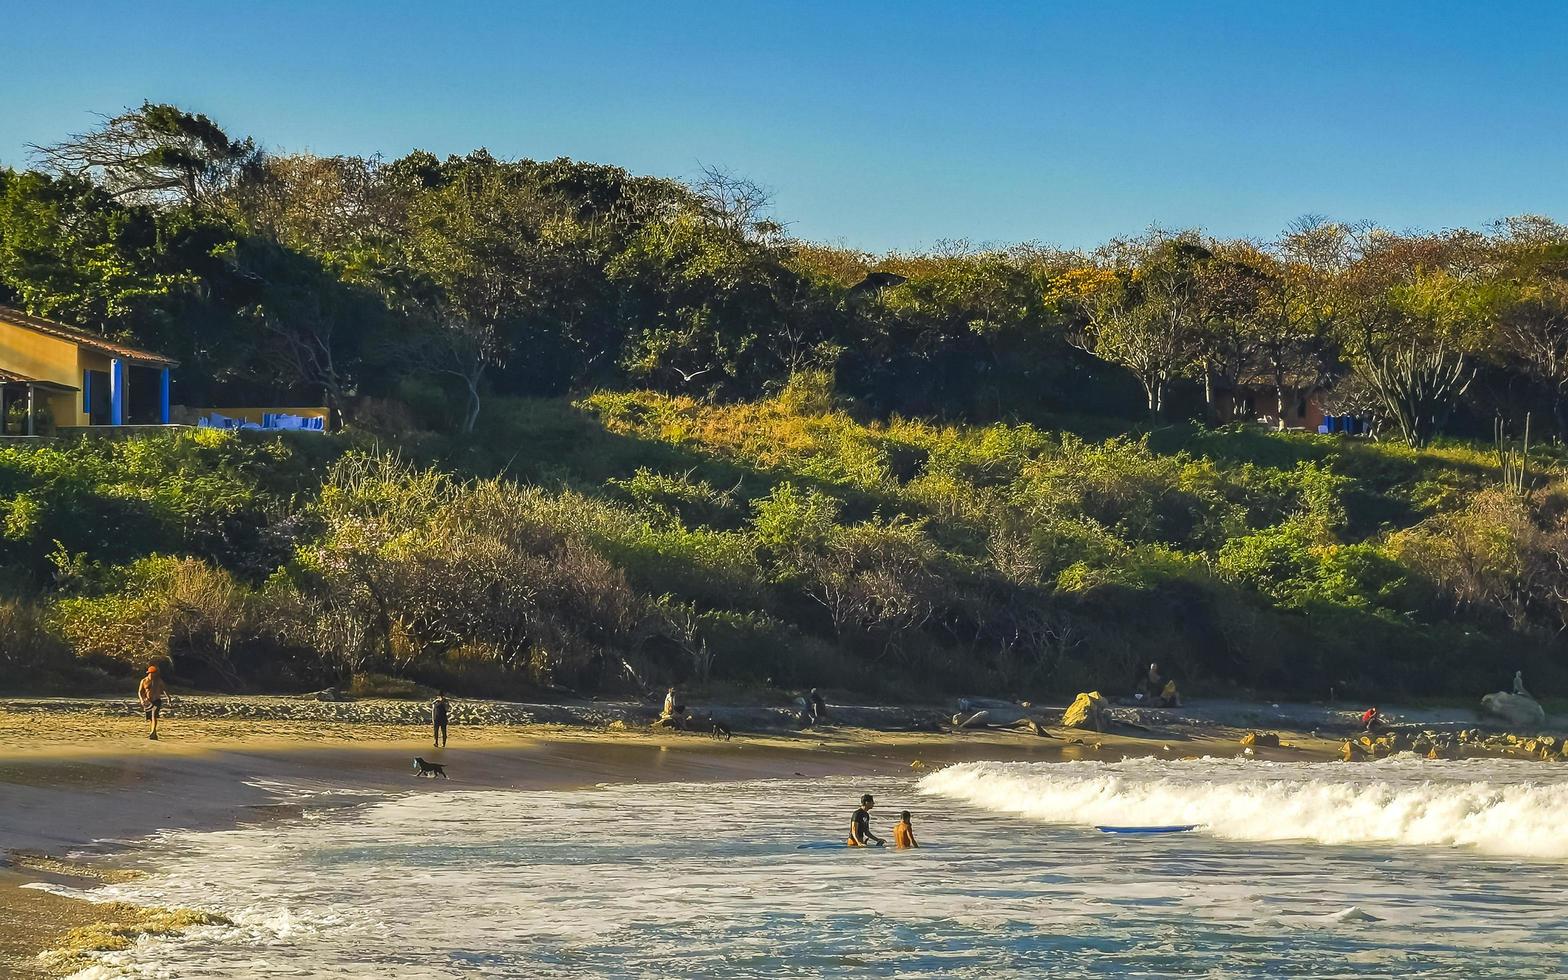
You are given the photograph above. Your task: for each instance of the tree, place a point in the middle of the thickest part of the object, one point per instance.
(1145, 312)
(1532, 316)
(1410, 310)
(477, 267)
(70, 252)
(702, 302)
(1231, 293)
(159, 155)
(1289, 332)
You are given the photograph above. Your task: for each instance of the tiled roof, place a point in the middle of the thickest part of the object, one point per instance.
(91, 341)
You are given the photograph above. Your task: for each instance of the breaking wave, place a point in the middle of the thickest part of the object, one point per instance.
(1496, 807)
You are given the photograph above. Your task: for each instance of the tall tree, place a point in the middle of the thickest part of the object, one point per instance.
(156, 155)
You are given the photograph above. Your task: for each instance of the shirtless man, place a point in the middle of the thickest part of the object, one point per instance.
(152, 694)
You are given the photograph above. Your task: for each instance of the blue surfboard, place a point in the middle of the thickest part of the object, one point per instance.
(1173, 829)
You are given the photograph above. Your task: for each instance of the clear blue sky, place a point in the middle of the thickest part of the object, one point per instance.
(876, 126)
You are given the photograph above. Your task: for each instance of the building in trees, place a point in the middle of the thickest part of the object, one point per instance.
(55, 375)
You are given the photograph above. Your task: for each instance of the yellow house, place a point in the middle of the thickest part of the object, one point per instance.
(80, 378)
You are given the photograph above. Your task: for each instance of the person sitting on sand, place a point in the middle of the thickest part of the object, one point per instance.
(1152, 684)
(438, 714)
(672, 715)
(1371, 720)
(860, 825)
(904, 832)
(152, 694)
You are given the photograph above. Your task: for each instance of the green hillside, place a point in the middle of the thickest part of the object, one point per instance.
(638, 538)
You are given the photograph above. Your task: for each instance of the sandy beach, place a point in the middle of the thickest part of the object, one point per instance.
(82, 785)
(82, 788)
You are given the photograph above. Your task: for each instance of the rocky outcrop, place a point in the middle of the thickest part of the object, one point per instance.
(1515, 709)
(1261, 740)
(1087, 711)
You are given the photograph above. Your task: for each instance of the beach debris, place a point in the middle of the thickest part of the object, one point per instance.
(1267, 740)
(1249, 752)
(1515, 709)
(977, 720)
(917, 764)
(1088, 710)
(1029, 726)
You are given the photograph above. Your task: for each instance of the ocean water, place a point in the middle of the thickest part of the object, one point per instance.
(1391, 869)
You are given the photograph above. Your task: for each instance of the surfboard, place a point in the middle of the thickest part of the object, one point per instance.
(1173, 829)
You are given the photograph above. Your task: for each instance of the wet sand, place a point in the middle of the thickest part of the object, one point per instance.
(83, 790)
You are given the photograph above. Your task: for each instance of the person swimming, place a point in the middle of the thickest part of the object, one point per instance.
(860, 825)
(904, 832)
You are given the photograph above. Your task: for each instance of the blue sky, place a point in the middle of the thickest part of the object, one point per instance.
(876, 125)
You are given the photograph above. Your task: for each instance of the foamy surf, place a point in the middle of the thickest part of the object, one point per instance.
(1502, 808)
(706, 881)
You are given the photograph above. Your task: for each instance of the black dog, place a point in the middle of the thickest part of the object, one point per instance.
(718, 729)
(431, 769)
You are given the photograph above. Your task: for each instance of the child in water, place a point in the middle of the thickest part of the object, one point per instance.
(904, 832)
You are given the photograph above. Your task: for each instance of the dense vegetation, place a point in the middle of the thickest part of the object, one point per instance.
(606, 431)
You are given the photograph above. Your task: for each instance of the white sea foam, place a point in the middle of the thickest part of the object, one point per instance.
(1504, 808)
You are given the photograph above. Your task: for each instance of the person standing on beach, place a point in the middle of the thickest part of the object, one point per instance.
(438, 712)
(151, 693)
(819, 707)
(860, 825)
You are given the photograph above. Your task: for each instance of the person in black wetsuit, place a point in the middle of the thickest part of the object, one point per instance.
(860, 834)
(438, 712)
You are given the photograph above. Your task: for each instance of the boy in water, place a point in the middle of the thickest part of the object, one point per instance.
(860, 825)
(151, 693)
(904, 832)
(438, 712)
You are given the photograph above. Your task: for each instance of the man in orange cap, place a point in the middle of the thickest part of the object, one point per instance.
(152, 694)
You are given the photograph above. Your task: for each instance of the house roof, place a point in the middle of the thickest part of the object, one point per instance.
(11, 377)
(91, 341)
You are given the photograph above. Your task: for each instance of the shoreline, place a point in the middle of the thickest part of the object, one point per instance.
(85, 790)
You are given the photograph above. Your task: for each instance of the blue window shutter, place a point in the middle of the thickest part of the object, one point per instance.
(87, 392)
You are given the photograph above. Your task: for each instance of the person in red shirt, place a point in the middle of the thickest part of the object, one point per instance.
(1371, 719)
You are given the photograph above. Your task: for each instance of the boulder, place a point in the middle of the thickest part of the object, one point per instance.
(1086, 711)
(1515, 709)
(1262, 740)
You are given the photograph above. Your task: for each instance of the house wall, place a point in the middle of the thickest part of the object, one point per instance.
(254, 413)
(1264, 406)
(47, 358)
